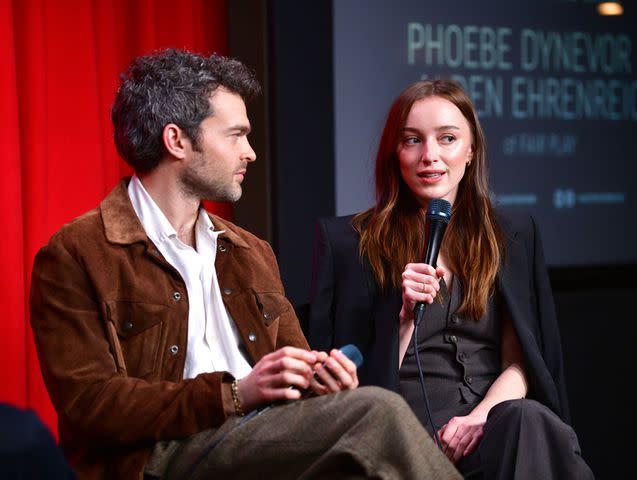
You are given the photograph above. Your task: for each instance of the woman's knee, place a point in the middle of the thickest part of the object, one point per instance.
(521, 408)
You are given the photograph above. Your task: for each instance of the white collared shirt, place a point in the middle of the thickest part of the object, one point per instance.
(213, 339)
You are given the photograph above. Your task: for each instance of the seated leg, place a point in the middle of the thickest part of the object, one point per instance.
(524, 439)
(363, 433)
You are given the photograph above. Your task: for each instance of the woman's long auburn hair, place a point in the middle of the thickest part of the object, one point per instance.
(392, 232)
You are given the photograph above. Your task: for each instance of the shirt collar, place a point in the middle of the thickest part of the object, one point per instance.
(155, 223)
(157, 226)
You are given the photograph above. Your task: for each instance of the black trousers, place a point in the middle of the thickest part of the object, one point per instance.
(524, 439)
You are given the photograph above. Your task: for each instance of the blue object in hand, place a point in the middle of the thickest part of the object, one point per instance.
(352, 352)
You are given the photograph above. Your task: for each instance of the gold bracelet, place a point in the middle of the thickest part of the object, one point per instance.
(238, 408)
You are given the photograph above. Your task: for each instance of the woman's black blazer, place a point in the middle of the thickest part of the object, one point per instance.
(346, 307)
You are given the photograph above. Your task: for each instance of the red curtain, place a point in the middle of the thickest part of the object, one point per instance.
(60, 65)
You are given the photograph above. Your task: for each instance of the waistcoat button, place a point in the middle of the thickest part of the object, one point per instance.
(174, 349)
(177, 296)
(227, 291)
(252, 337)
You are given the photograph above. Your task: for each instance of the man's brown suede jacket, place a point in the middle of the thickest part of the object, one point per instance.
(110, 321)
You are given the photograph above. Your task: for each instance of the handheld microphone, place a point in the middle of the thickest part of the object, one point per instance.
(352, 352)
(436, 221)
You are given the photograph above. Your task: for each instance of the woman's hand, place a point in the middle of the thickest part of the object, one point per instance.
(461, 435)
(420, 284)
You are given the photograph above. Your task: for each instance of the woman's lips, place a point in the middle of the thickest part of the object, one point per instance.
(431, 177)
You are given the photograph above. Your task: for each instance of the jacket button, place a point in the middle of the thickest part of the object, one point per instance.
(252, 337)
(453, 339)
(128, 326)
(468, 379)
(462, 357)
(174, 349)
(221, 248)
(177, 296)
(227, 291)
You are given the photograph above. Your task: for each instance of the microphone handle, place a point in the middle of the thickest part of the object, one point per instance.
(436, 230)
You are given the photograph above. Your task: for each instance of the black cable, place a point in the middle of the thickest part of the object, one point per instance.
(417, 318)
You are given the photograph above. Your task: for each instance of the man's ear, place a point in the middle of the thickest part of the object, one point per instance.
(175, 141)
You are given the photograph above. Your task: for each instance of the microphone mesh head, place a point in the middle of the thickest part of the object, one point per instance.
(439, 209)
(353, 353)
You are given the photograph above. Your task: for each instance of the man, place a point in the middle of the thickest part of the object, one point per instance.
(159, 326)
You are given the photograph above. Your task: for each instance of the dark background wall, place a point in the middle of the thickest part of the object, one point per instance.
(296, 185)
(595, 308)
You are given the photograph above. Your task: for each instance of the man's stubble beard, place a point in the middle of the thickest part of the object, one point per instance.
(194, 183)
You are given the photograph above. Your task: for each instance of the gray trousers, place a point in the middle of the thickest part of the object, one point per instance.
(364, 433)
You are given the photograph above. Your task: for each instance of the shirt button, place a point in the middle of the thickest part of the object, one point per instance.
(252, 337)
(128, 326)
(468, 379)
(177, 296)
(221, 248)
(227, 291)
(174, 349)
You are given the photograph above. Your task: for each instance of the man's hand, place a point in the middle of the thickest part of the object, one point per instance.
(335, 372)
(271, 378)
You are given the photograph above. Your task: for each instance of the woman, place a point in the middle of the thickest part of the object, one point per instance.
(489, 344)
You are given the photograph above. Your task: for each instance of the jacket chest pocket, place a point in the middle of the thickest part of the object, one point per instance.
(137, 335)
(271, 306)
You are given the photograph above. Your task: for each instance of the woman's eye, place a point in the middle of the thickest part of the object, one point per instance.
(411, 140)
(447, 138)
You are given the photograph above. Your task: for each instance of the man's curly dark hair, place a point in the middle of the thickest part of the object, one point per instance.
(170, 86)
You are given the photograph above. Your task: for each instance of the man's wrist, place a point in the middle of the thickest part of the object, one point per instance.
(236, 400)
